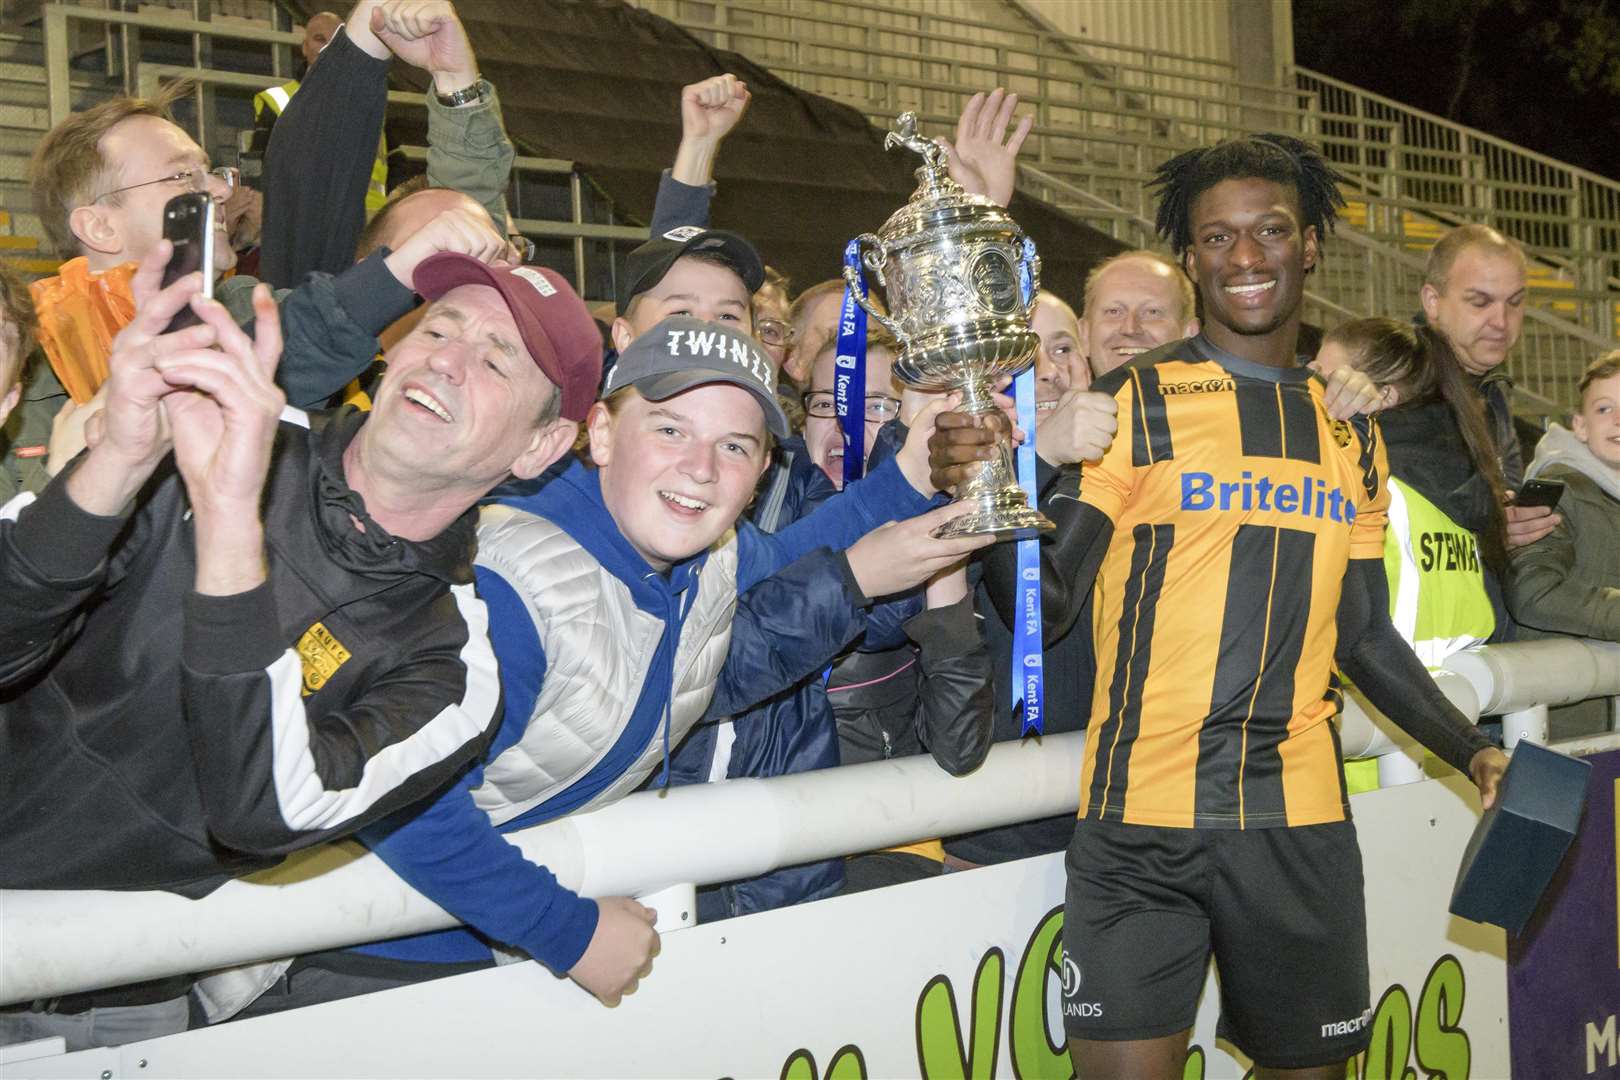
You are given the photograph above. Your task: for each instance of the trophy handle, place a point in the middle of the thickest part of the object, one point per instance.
(1029, 262)
(871, 255)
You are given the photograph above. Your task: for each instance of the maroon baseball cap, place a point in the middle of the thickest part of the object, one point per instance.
(558, 331)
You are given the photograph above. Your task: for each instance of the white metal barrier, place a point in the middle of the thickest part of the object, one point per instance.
(53, 943)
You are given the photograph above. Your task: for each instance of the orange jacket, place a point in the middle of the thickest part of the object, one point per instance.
(80, 313)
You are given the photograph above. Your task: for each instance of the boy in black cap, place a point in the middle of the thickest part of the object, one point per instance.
(709, 274)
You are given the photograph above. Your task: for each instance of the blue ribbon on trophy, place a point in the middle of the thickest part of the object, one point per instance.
(1028, 689)
(849, 372)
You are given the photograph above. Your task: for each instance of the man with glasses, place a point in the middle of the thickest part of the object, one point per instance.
(101, 179)
(771, 326)
(823, 438)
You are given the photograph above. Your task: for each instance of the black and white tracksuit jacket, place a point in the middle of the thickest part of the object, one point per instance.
(152, 737)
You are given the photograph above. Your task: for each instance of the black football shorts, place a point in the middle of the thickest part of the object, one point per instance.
(1280, 909)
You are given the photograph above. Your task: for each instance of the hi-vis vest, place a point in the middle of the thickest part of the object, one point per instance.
(1437, 596)
(275, 99)
(597, 646)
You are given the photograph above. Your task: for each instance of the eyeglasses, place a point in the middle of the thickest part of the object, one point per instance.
(880, 408)
(774, 332)
(526, 248)
(193, 179)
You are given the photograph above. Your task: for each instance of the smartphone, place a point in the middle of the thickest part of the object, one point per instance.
(188, 224)
(1539, 493)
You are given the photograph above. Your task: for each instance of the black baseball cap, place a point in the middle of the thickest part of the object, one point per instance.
(646, 265)
(682, 352)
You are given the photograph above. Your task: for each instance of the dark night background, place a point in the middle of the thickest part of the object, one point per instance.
(1544, 74)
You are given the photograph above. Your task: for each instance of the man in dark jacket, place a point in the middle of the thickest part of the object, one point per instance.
(1474, 292)
(322, 160)
(260, 632)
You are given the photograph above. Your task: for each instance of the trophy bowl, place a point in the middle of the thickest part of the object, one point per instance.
(953, 267)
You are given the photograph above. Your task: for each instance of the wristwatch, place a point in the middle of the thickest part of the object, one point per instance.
(465, 96)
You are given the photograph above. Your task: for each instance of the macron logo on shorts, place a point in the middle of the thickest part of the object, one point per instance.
(1346, 1027)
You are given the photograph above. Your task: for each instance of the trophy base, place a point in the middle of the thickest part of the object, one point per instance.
(1003, 519)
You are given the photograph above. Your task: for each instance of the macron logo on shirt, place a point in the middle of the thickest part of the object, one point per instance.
(1310, 498)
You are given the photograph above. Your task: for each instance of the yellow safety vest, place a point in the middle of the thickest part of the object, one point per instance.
(275, 99)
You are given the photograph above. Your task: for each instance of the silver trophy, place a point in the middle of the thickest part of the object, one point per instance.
(948, 262)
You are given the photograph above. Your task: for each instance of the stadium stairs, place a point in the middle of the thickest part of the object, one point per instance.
(23, 120)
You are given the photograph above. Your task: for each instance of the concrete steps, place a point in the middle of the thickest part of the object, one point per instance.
(24, 120)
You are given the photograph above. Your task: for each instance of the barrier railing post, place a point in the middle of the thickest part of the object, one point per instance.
(1400, 767)
(1531, 723)
(676, 907)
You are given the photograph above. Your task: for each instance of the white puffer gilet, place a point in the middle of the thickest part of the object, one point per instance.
(598, 646)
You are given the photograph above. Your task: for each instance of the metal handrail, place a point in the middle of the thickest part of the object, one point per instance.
(1565, 215)
(57, 68)
(1462, 130)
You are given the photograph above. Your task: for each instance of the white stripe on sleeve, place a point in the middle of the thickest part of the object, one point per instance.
(16, 505)
(307, 805)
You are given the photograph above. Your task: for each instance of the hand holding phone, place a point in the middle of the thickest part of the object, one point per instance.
(1539, 493)
(188, 224)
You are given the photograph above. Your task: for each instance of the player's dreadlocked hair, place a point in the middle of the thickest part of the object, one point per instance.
(1279, 158)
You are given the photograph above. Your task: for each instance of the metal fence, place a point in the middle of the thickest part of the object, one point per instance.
(1106, 116)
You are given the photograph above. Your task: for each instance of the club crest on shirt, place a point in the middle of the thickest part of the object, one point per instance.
(321, 654)
(1343, 434)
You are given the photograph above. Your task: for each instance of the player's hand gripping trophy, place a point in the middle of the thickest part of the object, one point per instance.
(959, 276)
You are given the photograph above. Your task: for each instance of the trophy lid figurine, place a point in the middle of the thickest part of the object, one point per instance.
(960, 278)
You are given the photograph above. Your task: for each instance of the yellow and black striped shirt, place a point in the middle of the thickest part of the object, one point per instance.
(1237, 504)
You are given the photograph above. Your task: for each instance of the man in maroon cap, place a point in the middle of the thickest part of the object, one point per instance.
(233, 630)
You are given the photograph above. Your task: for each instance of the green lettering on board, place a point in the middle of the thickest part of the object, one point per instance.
(1029, 1041)
(1442, 1046)
(941, 1054)
(1391, 1038)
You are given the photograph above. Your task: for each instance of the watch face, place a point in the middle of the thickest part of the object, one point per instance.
(462, 96)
